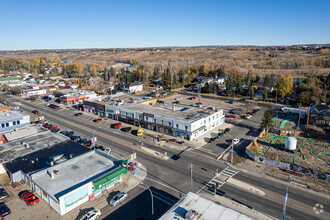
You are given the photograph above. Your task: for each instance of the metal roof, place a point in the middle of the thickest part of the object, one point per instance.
(204, 208)
(40, 159)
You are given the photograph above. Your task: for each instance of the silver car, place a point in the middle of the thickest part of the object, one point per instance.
(118, 198)
(91, 215)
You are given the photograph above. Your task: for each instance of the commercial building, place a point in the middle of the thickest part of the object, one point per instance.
(194, 206)
(74, 96)
(184, 121)
(4, 108)
(13, 119)
(9, 79)
(67, 174)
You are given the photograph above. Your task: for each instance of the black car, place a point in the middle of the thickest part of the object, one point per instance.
(220, 134)
(128, 129)
(55, 130)
(211, 140)
(227, 130)
(82, 141)
(3, 194)
(100, 147)
(75, 139)
(78, 114)
(4, 210)
(88, 143)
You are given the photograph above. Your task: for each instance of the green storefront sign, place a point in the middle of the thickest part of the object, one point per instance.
(109, 178)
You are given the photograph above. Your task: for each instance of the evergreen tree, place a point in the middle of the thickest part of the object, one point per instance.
(264, 94)
(266, 121)
(251, 91)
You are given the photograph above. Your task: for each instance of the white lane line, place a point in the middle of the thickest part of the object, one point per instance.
(202, 155)
(271, 210)
(287, 216)
(257, 204)
(160, 183)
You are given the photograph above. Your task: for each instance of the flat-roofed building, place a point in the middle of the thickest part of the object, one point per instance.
(68, 174)
(13, 119)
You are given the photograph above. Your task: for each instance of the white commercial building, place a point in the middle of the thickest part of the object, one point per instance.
(12, 120)
(184, 121)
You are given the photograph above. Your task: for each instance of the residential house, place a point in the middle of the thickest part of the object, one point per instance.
(320, 115)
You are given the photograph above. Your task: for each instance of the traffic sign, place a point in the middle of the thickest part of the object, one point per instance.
(133, 156)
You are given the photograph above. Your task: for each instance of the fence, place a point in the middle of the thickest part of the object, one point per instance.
(283, 165)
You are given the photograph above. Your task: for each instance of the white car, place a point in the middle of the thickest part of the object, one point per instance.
(235, 141)
(118, 198)
(247, 116)
(91, 215)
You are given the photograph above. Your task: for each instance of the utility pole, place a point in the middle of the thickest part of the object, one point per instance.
(286, 198)
(191, 178)
(298, 120)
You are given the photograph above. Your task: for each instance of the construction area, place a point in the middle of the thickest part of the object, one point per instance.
(306, 152)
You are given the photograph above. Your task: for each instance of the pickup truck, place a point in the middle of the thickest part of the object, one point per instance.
(29, 198)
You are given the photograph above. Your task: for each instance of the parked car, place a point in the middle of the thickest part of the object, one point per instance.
(253, 113)
(91, 215)
(88, 143)
(247, 116)
(117, 125)
(35, 112)
(56, 130)
(75, 138)
(235, 141)
(69, 133)
(108, 150)
(211, 140)
(176, 102)
(3, 194)
(220, 134)
(78, 114)
(98, 120)
(82, 141)
(48, 126)
(231, 101)
(29, 198)
(233, 111)
(231, 116)
(44, 125)
(100, 147)
(63, 132)
(140, 132)
(4, 210)
(56, 107)
(227, 130)
(52, 127)
(128, 129)
(118, 198)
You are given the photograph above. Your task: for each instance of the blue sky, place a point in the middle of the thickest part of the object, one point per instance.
(114, 24)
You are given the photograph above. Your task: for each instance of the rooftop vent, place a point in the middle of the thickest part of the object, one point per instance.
(190, 215)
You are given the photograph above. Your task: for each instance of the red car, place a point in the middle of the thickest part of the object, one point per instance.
(35, 112)
(232, 116)
(117, 125)
(52, 127)
(98, 120)
(45, 124)
(131, 166)
(253, 113)
(29, 198)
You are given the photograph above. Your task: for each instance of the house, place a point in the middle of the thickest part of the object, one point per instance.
(320, 115)
(133, 87)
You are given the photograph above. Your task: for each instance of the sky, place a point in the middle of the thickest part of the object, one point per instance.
(66, 24)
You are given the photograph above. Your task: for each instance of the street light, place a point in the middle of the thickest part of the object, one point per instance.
(152, 200)
(133, 155)
(94, 136)
(41, 116)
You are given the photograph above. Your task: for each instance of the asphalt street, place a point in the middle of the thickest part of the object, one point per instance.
(171, 177)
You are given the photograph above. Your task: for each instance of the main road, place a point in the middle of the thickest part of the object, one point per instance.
(170, 179)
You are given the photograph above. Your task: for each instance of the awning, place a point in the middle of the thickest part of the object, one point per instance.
(109, 178)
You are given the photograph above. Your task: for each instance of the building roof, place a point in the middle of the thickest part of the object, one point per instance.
(320, 108)
(136, 83)
(75, 172)
(5, 116)
(28, 140)
(41, 159)
(204, 208)
(9, 78)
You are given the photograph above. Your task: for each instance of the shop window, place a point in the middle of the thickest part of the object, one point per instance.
(7, 124)
(18, 122)
(169, 124)
(2, 125)
(186, 127)
(14, 122)
(177, 125)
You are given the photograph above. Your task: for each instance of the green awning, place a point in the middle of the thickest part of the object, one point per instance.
(109, 178)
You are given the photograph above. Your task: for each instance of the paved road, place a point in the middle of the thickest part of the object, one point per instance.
(172, 177)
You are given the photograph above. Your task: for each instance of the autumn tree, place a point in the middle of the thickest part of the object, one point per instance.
(284, 85)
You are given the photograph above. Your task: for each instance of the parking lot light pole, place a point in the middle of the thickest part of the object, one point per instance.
(232, 148)
(94, 137)
(152, 200)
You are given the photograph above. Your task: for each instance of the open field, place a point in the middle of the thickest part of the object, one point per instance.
(239, 59)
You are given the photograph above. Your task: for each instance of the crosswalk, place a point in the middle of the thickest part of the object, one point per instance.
(220, 178)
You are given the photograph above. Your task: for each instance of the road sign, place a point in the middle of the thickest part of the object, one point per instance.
(94, 140)
(133, 156)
